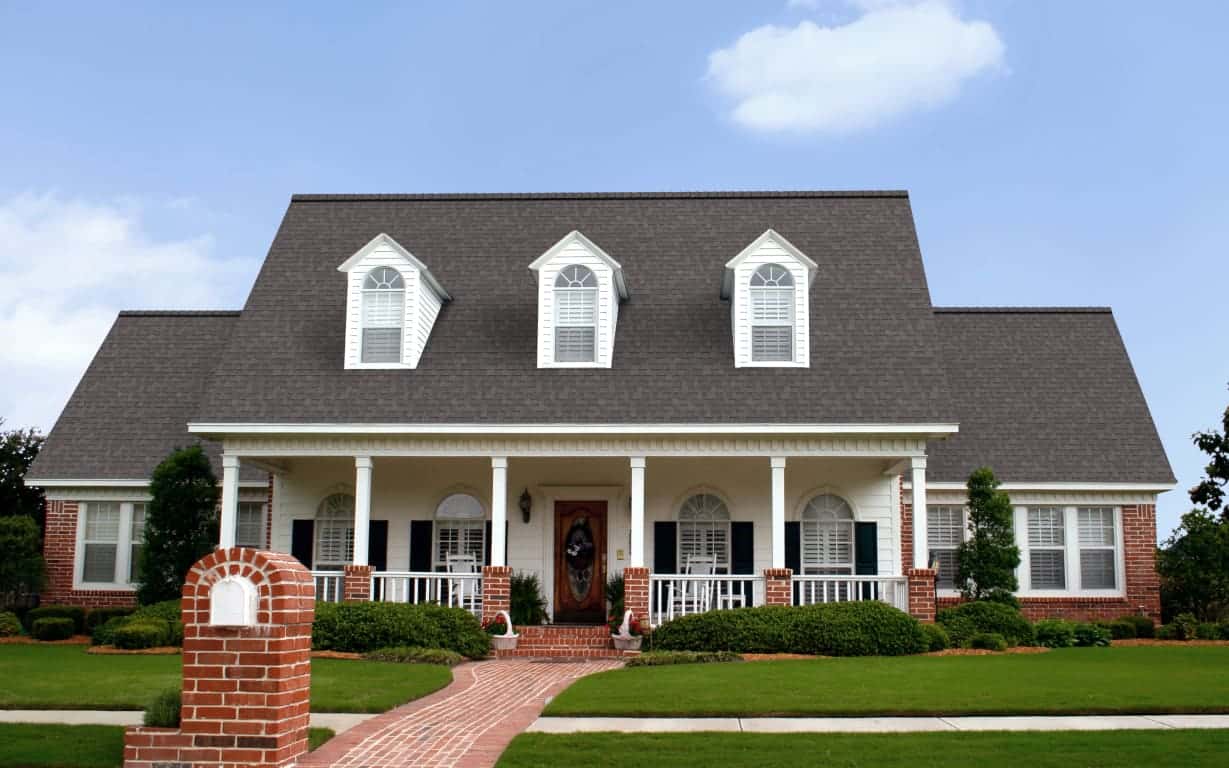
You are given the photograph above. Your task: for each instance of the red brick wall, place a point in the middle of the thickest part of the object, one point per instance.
(496, 590)
(636, 593)
(778, 586)
(60, 551)
(356, 583)
(921, 593)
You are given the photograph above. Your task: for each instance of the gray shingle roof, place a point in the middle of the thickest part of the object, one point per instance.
(1044, 395)
(872, 332)
(131, 407)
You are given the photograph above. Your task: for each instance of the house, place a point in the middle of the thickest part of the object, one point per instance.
(730, 398)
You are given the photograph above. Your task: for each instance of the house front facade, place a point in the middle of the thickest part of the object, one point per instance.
(729, 399)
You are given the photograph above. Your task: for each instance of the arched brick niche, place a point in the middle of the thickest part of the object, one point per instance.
(246, 678)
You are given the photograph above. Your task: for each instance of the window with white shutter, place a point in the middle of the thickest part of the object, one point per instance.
(1098, 548)
(460, 529)
(101, 542)
(827, 536)
(772, 314)
(704, 531)
(335, 532)
(383, 315)
(575, 315)
(945, 529)
(136, 538)
(1047, 553)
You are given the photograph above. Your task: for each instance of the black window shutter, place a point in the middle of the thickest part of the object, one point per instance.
(866, 556)
(303, 541)
(793, 546)
(742, 549)
(377, 544)
(420, 545)
(665, 547)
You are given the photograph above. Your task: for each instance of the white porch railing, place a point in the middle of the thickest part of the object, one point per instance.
(329, 585)
(893, 590)
(673, 595)
(457, 590)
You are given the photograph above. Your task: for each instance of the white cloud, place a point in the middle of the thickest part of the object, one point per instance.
(66, 268)
(894, 59)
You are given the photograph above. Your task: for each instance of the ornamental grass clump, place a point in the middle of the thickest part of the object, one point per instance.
(164, 709)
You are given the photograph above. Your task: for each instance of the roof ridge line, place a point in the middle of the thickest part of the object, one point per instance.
(681, 195)
(179, 312)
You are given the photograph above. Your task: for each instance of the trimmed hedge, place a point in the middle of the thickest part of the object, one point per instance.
(1207, 631)
(968, 619)
(1091, 636)
(167, 610)
(10, 625)
(72, 612)
(1118, 629)
(104, 634)
(143, 633)
(365, 627)
(988, 641)
(52, 628)
(936, 637)
(869, 628)
(1055, 633)
(1143, 625)
(415, 655)
(670, 658)
(99, 616)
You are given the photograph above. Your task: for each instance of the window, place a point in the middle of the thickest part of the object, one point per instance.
(111, 534)
(460, 529)
(576, 315)
(704, 531)
(383, 315)
(772, 314)
(101, 545)
(1047, 548)
(827, 536)
(250, 525)
(1098, 548)
(335, 532)
(137, 542)
(944, 533)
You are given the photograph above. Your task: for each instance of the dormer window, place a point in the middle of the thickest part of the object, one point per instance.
(768, 287)
(575, 315)
(772, 314)
(383, 315)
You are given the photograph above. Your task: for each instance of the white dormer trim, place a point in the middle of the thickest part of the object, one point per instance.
(423, 298)
(576, 249)
(769, 248)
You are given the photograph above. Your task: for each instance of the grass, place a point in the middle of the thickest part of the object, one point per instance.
(78, 746)
(1069, 681)
(66, 677)
(1105, 749)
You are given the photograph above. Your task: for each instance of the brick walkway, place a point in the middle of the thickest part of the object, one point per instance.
(467, 724)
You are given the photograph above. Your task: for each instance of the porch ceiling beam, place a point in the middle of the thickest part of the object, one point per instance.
(897, 468)
(272, 466)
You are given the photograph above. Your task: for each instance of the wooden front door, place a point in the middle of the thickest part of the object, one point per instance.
(580, 562)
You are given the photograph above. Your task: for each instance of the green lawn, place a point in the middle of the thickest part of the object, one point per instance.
(66, 677)
(1069, 749)
(77, 746)
(1071, 681)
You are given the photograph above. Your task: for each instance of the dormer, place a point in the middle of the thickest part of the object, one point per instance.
(768, 287)
(579, 290)
(392, 300)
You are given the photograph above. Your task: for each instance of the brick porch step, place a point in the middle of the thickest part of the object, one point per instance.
(565, 641)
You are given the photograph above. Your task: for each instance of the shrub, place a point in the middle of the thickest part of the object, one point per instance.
(167, 610)
(414, 655)
(868, 628)
(363, 627)
(71, 612)
(1185, 626)
(163, 710)
(614, 594)
(10, 625)
(1167, 632)
(968, 619)
(142, 633)
(181, 523)
(936, 637)
(1224, 629)
(1143, 625)
(100, 616)
(1091, 636)
(1054, 633)
(527, 606)
(669, 658)
(52, 628)
(1207, 631)
(989, 641)
(1119, 629)
(104, 634)
(22, 568)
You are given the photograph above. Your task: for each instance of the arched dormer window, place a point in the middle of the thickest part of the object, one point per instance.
(827, 535)
(704, 535)
(460, 533)
(575, 315)
(772, 314)
(383, 315)
(334, 532)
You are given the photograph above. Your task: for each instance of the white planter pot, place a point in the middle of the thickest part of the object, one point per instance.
(504, 643)
(626, 643)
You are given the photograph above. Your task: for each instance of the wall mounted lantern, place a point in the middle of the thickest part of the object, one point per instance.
(526, 505)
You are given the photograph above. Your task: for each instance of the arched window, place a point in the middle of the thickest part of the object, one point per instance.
(335, 532)
(460, 530)
(576, 315)
(827, 535)
(704, 532)
(772, 314)
(383, 315)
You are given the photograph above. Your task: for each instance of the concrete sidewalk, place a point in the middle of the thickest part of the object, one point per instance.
(873, 724)
(337, 721)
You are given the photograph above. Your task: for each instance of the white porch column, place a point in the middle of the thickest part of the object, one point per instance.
(921, 549)
(362, 508)
(637, 553)
(499, 510)
(230, 500)
(778, 511)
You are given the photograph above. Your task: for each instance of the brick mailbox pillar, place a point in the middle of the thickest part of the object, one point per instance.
(496, 590)
(922, 593)
(778, 586)
(636, 593)
(356, 583)
(247, 618)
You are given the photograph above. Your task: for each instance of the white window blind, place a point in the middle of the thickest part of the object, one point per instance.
(101, 542)
(1047, 548)
(704, 531)
(772, 314)
(136, 542)
(383, 315)
(250, 525)
(1098, 548)
(575, 315)
(944, 533)
(827, 535)
(460, 529)
(335, 532)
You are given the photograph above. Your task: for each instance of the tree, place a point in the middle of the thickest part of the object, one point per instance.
(18, 448)
(1194, 567)
(987, 561)
(22, 570)
(1211, 490)
(181, 523)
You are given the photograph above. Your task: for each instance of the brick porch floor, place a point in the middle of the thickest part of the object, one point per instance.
(467, 724)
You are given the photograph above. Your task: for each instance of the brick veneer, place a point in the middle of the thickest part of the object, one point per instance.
(356, 583)
(921, 593)
(496, 590)
(60, 553)
(245, 689)
(636, 593)
(558, 641)
(778, 586)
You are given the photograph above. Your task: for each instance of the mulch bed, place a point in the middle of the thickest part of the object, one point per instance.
(983, 652)
(27, 640)
(1152, 641)
(778, 656)
(111, 650)
(336, 655)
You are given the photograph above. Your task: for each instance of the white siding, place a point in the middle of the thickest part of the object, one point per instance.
(607, 305)
(769, 252)
(421, 307)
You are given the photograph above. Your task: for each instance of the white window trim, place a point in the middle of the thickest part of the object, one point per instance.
(123, 552)
(611, 287)
(1071, 554)
(264, 522)
(852, 523)
(964, 536)
(366, 293)
(736, 287)
(438, 523)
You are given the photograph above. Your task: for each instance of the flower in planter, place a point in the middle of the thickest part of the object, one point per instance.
(633, 627)
(495, 626)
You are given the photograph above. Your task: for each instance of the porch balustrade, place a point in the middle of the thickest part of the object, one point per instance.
(675, 595)
(329, 586)
(813, 589)
(456, 590)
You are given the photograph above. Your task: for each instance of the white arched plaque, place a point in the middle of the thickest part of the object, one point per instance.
(232, 602)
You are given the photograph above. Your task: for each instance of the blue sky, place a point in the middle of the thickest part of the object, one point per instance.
(1056, 153)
